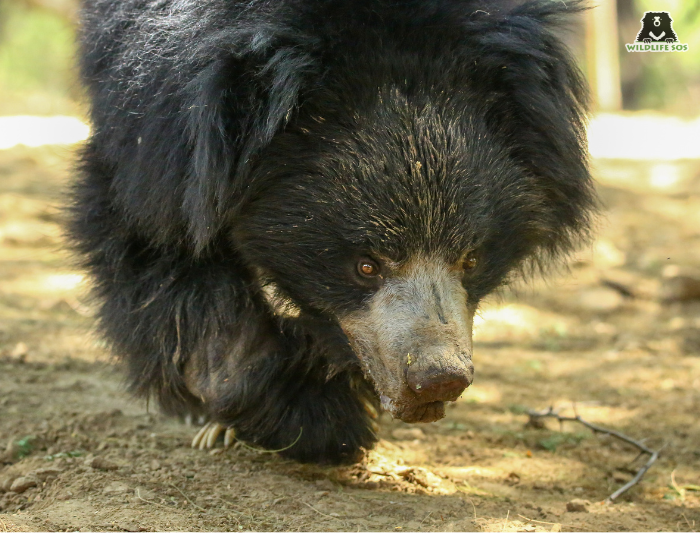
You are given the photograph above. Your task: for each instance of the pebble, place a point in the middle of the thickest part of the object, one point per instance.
(6, 482)
(100, 463)
(577, 506)
(324, 485)
(680, 288)
(21, 484)
(20, 350)
(130, 526)
(116, 487)
(44, 473)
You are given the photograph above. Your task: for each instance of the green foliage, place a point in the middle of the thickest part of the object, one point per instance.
(75, 453)
(24, 446)
(37, 51)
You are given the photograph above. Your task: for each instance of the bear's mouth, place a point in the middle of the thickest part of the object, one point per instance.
(423, 412)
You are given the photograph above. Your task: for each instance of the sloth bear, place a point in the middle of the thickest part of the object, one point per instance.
(657, 26)
(290, 209)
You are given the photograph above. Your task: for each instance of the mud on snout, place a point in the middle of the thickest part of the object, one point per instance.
(414, 340)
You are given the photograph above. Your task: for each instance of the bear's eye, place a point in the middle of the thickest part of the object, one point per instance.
(367, 268)
(470, 262)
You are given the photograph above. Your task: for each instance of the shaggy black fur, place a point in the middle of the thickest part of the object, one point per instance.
(657, 26)
(242, 142)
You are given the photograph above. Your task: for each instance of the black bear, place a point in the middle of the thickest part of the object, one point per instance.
(291, 209)
(657, 26)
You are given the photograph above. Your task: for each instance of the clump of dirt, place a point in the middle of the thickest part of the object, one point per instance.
(76, 453)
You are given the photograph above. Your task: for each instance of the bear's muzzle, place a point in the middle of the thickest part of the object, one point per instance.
(414, 340)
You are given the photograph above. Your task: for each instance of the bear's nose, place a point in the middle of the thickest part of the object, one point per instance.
(434, 382)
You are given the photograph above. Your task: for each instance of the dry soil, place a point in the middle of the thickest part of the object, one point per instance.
(610, 336)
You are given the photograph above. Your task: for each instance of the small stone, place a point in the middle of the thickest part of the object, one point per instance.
(512, 479)
(621, 477)
(324, 484)
(6, 482)
(19, 351)
(21, 484)
(100, 463)
(577, 506)
(680, 288)
(116, 488)
(408, 434)
(44, 473)
(130, 526)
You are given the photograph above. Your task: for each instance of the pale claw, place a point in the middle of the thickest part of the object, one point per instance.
(200, 435)
(229, 437)
(215, 430)
(207, 436)
(371, 410)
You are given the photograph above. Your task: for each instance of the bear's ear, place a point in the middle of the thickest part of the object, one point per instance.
(538, 99)
(236, 105)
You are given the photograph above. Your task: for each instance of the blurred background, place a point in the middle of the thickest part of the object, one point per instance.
(618, 333)
(37, 50)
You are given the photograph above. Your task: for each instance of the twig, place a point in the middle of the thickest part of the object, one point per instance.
(2, 523)
(690, 526)
(138, 495)
(638, 476)
(674, 485)
(426, 517)
(322, 514)
(643, 448)
(550, 523)
(473, 507)
(187, 498)
(260, 451)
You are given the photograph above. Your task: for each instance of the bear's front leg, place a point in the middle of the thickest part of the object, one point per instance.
(285, 388)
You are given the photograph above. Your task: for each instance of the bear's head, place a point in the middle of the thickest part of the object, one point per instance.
(395, 218)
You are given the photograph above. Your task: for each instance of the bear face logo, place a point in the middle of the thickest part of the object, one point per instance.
(657, 27)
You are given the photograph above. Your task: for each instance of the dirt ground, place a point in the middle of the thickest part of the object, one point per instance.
(612, 336)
